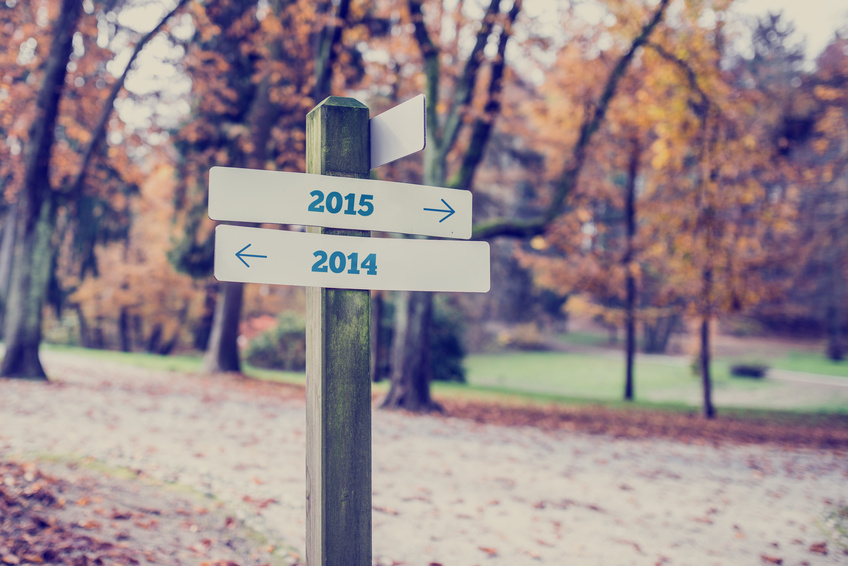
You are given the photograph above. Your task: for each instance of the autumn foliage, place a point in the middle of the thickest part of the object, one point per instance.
(656, 164)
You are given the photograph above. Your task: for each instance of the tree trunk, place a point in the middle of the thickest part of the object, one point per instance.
(835, 346)
(222, 351)
(706, 378)
(630, 281)
(376, 336)
(84, 334)
(833, 316)
(202, 330)
(27, 296)
(630, 338)
(410, 388)
(33, 246)
(656, 334)
(155, 339)
(7, 249)
(124, 330)
(97, 341)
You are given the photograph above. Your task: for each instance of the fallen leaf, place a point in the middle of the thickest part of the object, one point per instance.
(819, 548)
(771, 559)
(121, 515)
(89, 524)
(490, 551)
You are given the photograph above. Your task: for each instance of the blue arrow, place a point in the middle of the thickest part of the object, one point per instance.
(241, 255)
(449, 211)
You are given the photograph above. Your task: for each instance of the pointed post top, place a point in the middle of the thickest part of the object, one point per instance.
(341, 123)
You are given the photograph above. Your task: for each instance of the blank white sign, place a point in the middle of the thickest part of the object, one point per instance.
(398, 132)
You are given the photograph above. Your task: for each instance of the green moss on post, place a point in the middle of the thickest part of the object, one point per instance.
(338, 366)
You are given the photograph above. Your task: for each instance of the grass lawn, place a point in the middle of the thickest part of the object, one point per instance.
(547, 377)
(810, 362)
(595, 376)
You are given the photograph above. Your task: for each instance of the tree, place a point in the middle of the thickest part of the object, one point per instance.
(712, 220)
(717, 167)
(137, 297)
(252, 84)
(46, 166)
(409, 387)
(825, 205)
(32, 253)
(410, 379)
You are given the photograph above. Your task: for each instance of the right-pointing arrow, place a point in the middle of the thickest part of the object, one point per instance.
(449, 210)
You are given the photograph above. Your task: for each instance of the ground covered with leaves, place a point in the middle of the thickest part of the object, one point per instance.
(90, 518)
(825, 431)
(114, 465)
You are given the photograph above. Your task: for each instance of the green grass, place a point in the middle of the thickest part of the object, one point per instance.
(184, 363)
(598, 377)
(529, 377)
(584, 339)
(810, 362)
(180, 363)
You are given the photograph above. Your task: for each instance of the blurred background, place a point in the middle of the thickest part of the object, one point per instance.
(664, 185)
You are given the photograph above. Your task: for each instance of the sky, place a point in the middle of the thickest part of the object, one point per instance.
(815, 20)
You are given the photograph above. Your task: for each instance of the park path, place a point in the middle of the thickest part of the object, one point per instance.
(446, 491)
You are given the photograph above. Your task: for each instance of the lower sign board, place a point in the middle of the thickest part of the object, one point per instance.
(282, 257)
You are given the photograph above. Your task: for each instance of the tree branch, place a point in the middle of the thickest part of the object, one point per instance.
(482, 128)
(331, 35)
(41, 135)
(591, 123)
(465, 87)
(430, 53)
(701, 107)
(98, 133)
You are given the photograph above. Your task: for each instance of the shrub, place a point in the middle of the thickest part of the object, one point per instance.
(747, 369)
(282, 347)
(446, 348)
(525, 337)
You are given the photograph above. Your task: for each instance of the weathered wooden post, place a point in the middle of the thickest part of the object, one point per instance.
(338, 383)
(342, 142)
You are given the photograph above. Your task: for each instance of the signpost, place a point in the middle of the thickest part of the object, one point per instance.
(337, 261)
(338, 366)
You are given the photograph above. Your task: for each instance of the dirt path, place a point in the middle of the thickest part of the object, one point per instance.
(446, 491)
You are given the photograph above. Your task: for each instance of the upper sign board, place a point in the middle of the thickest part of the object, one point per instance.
(284, 257)
(254, 195)
(398, 132)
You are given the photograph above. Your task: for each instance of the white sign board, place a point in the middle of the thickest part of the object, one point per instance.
(398, 132)
(280, 197)
(282, 257)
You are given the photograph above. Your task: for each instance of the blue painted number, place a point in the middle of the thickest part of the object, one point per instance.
(337, 262)
(334, 203)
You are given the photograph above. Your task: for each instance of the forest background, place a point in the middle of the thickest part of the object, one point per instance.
(658, 167)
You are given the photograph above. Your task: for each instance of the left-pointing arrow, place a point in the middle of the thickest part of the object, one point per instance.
(241, 255)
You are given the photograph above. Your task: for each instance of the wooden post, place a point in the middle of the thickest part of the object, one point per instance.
(338, 366)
